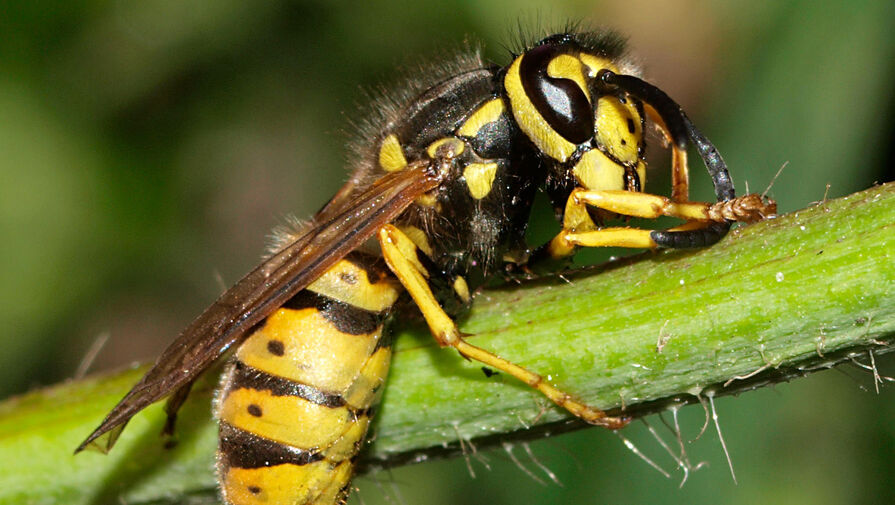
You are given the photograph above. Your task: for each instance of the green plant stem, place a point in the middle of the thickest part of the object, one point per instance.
(771, 301)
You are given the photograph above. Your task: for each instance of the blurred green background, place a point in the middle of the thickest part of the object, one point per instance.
(147, 148)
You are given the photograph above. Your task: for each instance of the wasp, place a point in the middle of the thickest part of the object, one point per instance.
(438, 202)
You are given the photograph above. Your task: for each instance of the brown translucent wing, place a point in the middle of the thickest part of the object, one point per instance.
(227, 321)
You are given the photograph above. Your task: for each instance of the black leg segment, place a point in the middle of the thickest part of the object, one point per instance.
(679, 127)
(690, 239)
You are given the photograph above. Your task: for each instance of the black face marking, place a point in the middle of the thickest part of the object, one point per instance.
(246, 377)
(631, 128)
(276, 347)
(345, 317)
(241, 449)
(561, 102)
(254, 489)
(254, 410)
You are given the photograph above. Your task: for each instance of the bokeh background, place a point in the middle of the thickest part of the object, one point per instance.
(147, 148)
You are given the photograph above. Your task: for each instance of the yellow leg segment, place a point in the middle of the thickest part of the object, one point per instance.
(680, 172)
(579, 230)
(395, 251)
(400, 256)
(566, 243)
(611, 237)
(629, 203)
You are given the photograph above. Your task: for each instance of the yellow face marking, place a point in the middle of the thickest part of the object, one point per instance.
(531, 122)
(452, 145)
(367, 386)
(391, 156)
(566, 66)
(306, 336)
(596, 63)
(619, 129)
(335, 283)
(489, 112)
(479, 178)
(419, 238)
(274, 417)
(461, 288)
(318, 482)
(596, 171)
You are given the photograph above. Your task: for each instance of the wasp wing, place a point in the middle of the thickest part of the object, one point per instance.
(227, 321)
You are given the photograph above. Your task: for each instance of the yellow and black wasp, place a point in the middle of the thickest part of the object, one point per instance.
(443, 183)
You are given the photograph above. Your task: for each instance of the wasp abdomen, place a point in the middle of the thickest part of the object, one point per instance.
(297, 399)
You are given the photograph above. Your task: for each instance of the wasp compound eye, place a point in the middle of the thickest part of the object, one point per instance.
(553, 82)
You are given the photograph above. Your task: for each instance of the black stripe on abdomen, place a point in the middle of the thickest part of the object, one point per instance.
(344, 317)
(241, 449)
(246, 377)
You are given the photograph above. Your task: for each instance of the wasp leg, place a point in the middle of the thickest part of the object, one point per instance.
(679, 128)
(680, 171)
(401, 256)
(706, 223)
(172, 406)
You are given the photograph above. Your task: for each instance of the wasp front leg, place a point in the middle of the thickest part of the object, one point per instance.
(680, 171)
(705, 223)
(400, 254)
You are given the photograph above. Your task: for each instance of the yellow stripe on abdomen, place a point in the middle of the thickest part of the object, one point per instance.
(274, 417)
(296, 402)
(314, 483)
(314, 351)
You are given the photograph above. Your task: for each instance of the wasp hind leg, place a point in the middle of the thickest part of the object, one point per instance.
(401, 256)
